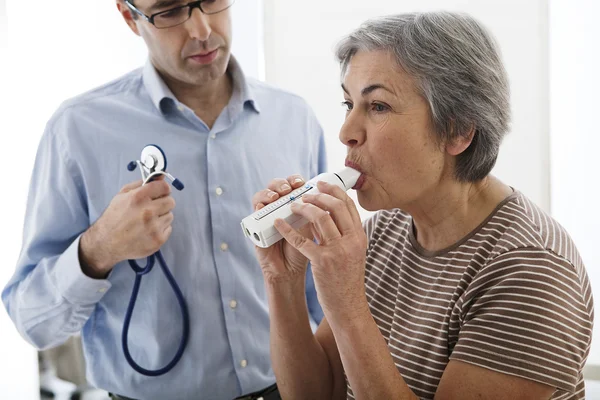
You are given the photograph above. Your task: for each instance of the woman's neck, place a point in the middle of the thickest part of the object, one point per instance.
(454, 210)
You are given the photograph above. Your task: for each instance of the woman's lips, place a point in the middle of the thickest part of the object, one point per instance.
(359, 183)
(361, 178)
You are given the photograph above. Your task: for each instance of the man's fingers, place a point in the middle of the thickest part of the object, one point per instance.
(155, 189)
(163, 205)
(130, 186)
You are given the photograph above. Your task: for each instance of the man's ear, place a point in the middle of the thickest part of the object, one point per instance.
(127, 15)
(460, 143)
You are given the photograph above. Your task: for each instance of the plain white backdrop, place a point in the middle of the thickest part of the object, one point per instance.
(575, 134)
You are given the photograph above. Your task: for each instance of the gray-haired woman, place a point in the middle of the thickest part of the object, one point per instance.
(462, 288)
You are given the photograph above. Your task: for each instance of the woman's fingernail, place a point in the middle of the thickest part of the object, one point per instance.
(272, 194)
(298, 180)
(285, 186)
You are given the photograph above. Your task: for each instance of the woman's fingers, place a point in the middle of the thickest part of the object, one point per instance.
(336, 208)
(342, 195)
(263, 197)
(281, 186)
(295, 181)
(320, 219)
(304, 245)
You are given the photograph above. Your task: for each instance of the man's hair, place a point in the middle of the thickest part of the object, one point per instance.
(458, 70)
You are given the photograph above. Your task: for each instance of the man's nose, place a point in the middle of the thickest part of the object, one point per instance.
(199, 25)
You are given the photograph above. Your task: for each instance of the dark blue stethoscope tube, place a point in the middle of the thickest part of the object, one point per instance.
(139, 272)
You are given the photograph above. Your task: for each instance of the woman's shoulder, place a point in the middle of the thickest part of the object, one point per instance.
(520, 223)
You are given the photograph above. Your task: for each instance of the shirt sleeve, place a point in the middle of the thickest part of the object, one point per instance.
(525, 314)
(49, 298)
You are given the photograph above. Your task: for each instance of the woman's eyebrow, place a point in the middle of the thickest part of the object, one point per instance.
(370, 88)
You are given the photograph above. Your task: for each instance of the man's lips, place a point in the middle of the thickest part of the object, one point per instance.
(205, 57)
(203, 54)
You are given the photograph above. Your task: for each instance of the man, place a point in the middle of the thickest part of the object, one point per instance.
(225, 136)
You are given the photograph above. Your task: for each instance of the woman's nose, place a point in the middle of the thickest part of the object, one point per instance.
(352, 132)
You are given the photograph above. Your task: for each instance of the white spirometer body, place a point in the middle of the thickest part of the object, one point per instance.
(259, 227)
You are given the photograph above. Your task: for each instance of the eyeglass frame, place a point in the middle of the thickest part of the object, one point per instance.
(191, 5)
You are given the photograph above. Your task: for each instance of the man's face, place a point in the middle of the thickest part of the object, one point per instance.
(194, 52)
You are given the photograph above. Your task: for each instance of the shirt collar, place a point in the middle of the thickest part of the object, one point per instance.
(159, 91)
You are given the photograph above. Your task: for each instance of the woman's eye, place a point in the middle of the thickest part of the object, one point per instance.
(347, 104)
(379, 107)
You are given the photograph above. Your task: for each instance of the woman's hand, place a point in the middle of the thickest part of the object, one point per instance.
(338, 259)
(281, 262)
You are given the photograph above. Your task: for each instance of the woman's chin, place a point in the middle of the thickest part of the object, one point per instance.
(367, 202)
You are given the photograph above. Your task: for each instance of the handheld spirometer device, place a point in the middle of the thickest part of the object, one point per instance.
(259, 227)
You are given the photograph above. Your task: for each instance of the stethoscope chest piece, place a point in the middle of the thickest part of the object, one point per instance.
(153, 158)
(153, 163)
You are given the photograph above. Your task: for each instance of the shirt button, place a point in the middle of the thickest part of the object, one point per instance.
(233, 304)
(180, 108)
(213, 136)
(219, 191)
(224, 246)
(243, 363)
(102, 290)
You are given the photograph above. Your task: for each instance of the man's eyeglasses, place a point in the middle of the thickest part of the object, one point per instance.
(178, 15)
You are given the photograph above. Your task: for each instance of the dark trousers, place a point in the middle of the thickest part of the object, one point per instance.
(270, 393)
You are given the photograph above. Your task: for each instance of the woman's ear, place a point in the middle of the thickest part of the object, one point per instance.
(460, 143)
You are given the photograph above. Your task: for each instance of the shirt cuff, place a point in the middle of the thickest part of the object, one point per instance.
(75, 286)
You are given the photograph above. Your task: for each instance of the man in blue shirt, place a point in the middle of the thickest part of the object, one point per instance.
(225, 136)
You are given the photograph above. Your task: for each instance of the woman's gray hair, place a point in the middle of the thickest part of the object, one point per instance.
(457, 68)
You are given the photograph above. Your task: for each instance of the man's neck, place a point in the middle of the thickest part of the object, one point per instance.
(455, 210)
(207, 100)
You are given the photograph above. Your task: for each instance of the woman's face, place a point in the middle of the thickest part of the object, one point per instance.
(389, 134)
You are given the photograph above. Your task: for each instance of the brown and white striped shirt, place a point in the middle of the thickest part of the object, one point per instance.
(513, 296)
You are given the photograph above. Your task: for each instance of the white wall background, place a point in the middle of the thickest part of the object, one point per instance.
(300, 37)
(575, 136)
(47, 60)
(18, 362)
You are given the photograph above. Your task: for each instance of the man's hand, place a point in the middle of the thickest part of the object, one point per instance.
(136, 224)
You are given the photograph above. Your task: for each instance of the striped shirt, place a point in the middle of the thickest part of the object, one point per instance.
(513, 296)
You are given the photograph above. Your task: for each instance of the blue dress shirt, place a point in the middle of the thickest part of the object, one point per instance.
(80, 166)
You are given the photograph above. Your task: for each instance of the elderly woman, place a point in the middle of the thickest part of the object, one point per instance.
(460, 287)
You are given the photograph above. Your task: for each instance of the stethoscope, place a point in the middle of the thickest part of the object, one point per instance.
(153, 163)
